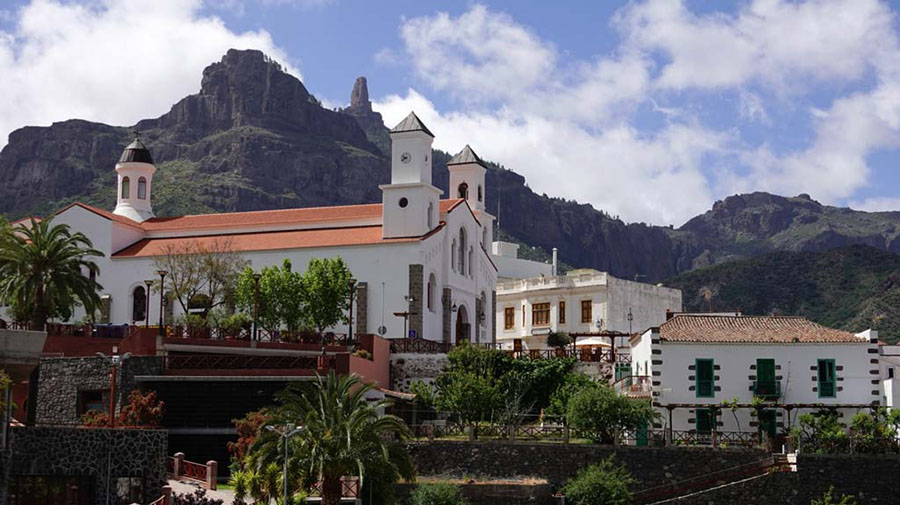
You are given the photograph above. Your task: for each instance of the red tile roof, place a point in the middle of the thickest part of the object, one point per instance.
(750, 329)
(271, 240)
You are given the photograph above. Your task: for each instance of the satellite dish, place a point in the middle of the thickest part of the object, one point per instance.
(382, 330)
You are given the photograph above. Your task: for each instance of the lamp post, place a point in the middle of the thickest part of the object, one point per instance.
(115, 360)
(352, 284)
(148, 283)
(256, 277)
(162, 286)
(286, 432)
(409, 300)
(630, 318)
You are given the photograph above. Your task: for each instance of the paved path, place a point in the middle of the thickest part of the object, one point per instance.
(183, 487)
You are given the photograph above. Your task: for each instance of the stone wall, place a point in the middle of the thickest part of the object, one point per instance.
(362, 307)
(62, 379)
(556, 463)
(416, 291)
(487, 493)
(95, 452)
(407, 368)
(868, 478)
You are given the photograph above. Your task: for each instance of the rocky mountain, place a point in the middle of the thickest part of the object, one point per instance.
(254, 138)
(853, 287)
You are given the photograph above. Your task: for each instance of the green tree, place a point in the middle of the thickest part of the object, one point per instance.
(829, 499)
(601, 484)
(558, 339)
(604, 414)
(820, 432)
(342, 435)
(572, 384)
(200, 274)
(437, 493)
(281, 296)
(326, 286)
(48, 268)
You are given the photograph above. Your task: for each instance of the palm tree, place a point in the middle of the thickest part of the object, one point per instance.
(47, 268)
(343, 435)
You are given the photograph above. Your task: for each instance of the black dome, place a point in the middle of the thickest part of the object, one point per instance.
(136, 152)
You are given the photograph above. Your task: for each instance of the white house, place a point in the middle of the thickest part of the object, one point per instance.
(511, 266)
(582, 301)
(794, 365)
(890, 375)
(414, 252)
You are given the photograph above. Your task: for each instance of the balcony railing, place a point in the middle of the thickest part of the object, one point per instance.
(769, 390)
(239, 362)
(635, 386)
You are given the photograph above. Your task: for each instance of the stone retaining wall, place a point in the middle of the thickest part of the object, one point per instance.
(495, 494)
(407, 368)
(557, 463)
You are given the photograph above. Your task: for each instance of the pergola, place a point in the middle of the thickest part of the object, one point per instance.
(611, 335)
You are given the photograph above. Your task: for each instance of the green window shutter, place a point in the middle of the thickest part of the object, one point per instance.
(706, 379)
(827, 379)
(766, 386)
(704, 420)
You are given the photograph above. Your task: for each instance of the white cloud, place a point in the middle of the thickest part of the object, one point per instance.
(877, 204)
(571, 128)
(112, 61)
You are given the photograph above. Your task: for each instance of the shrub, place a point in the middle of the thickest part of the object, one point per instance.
(95, 418)
(829, 499)
(604, 414)
(438, 493)
(362, 353)
(142, 410)
(198, 498)
(558, 339)
(602, 484)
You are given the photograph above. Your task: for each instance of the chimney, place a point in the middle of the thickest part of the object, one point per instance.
(554, 262)
(669, 314)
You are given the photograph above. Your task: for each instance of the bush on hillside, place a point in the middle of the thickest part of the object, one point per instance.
(438, 493)
(604, 483)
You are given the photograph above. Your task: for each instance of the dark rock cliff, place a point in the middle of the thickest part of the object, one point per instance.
(254, 138)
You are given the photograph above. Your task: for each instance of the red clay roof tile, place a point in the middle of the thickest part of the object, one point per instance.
(750, 329)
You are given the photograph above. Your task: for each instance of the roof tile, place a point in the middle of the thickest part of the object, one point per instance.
(750, 329)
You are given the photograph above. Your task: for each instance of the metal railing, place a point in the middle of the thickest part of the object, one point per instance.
(705, 481)
(419, 345)
(767, 389)
(634, 385)
(848, 444)
(262, 334)
(238, 362)
(595, 355)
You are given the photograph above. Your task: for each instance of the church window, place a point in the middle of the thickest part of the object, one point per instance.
(126, 187)
(403, 202)
(430, 215)
(461, 268)
(484, 238)
(479, 192)
(430, 292)
(471, 262)
(463, 191)
(139, 304)
(142, 188)
(453, 256)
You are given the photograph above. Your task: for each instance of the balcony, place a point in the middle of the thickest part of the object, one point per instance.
(555, 281)
(767, 390)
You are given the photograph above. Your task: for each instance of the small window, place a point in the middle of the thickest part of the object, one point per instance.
(827, 379)
(479, 192)
(463, 190)
(430, 215)
(509, 318)
(403, 202)
(430, 292)
(142, 188)
(890, 372)
(706, 378)
(471, 262)
(705, 420)
(453, 256)
(126, 187)
(540, 314)
(91, 399)
(587, 311)
(624, 370)
(562, 313)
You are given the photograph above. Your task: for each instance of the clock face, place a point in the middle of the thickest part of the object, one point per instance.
(405, 157)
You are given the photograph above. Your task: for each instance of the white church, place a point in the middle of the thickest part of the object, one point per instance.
(413, 253)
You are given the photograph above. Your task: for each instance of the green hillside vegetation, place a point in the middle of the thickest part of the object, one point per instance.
(851, 288)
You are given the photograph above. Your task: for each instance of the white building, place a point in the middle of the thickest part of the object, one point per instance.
(511, 266)
(414, 252)
(890, 375)
(582, 301)
(693, 360)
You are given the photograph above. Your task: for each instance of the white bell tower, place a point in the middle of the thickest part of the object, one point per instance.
(467, 178)
(135, 171)
(410, 202)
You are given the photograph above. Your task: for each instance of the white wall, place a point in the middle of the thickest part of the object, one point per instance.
(647, 302)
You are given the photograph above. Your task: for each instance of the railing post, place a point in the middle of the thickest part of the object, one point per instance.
(429, 431)
(167, 495)
(511, 430)
(176, 467)
(471, 432)
(212, 474)
(566, 434)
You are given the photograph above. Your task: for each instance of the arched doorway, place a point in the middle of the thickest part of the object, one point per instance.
(138, 304)
(462, 325)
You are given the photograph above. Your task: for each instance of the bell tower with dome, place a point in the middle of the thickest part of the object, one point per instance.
(135, 171)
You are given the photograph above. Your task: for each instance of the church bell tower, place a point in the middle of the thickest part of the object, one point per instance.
(135, 171)
(410, 202)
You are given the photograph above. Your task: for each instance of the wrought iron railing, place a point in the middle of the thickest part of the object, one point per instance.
(634, 385)
(262, 335)
(769, 390)
(238, 362)
(419, 346)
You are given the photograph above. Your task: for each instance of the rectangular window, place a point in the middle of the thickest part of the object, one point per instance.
(587, 311)
(509, 318)
(622, 371)
(766, 386)
(540, 314)
(90, 400)
(706, 378)
(827, 379)
(562, 313)
(705, 420)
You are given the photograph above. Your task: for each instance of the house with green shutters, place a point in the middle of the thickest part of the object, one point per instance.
(769, 369)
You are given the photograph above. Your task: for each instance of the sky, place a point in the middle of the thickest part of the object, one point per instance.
(650, 110)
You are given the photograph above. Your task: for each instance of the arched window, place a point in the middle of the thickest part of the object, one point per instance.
(471, 262)
(126, 187)
(142, 188)
(462, 251)
(479, 192)
(453, 256)
(430, 215)
(430, 292)
(484, 238)
(138, 304)
(463, 191)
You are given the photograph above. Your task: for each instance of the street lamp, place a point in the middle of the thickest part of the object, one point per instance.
(409, 301)
(256, 277)
(630, 318)
(352, 284)
(287, 431)
(162, 285)
(115, 361)
(148, 283)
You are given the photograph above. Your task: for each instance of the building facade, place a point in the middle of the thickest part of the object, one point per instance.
(791, 364)
(582, 301)
(414, 253)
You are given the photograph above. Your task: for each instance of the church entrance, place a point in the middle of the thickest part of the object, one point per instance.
(462, 325)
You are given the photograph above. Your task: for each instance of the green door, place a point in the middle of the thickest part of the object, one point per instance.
(767, 422)
(765, 378)
(640, 436)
